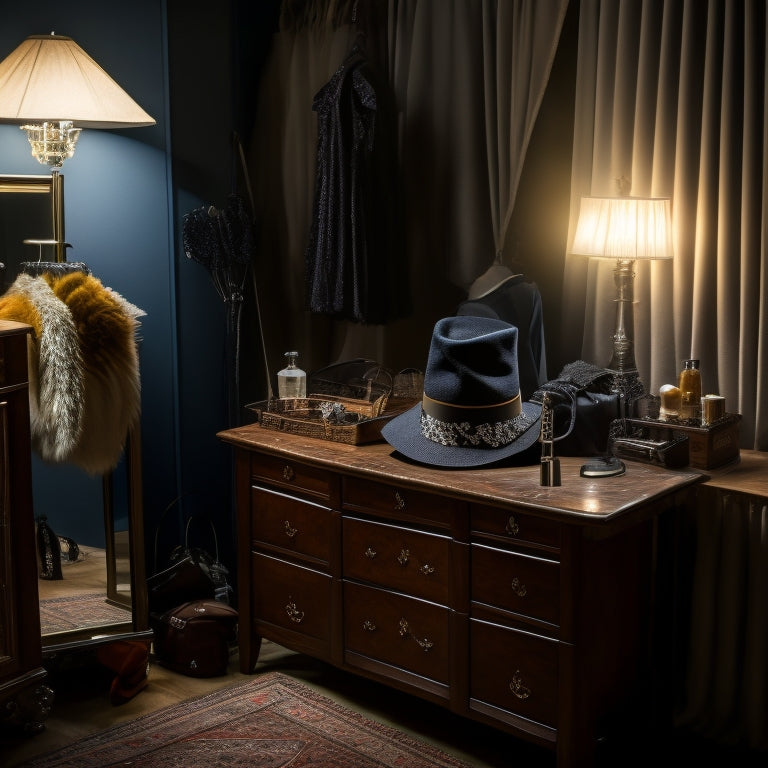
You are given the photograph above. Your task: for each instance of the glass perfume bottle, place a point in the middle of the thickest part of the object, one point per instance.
(291, 381)
(690, 390)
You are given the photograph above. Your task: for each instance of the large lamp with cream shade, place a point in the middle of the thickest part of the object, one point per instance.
(624, 229)
(52, 89)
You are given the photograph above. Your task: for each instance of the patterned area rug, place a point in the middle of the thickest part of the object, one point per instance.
(270, 722)
(66, 614)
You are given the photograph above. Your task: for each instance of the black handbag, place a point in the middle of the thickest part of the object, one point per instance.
(209, 564)
(584, 408)
(192, 574)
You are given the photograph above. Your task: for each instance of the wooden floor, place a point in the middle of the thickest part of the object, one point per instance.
(82, 707)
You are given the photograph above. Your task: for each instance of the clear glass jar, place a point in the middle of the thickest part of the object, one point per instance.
(291, 381)
(690, 391)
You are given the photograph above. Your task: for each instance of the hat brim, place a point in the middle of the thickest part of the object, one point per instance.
(404, 434)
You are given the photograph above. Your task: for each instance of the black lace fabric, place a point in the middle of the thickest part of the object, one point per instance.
(350, 258)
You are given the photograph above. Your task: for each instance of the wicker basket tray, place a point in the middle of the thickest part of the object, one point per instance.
(305, 416)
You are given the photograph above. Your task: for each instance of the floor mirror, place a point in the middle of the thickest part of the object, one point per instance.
(101, 595)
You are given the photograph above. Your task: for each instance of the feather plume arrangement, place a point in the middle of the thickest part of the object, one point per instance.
(85, 388)
(222, 240)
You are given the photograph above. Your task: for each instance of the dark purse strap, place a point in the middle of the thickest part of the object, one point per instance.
(213, 531)
(567, 392)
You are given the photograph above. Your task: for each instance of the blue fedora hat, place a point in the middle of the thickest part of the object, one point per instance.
(471, 413)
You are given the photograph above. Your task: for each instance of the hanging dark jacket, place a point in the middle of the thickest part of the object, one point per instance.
(353, 245)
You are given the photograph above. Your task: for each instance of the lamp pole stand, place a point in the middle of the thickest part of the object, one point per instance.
(57, 214)
(626, 379)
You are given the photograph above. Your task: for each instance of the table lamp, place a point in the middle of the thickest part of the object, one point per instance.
(625, 229)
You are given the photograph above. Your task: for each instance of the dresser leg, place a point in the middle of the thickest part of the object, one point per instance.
(249, 648)
(28, 709)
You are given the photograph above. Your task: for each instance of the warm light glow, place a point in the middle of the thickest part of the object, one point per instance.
(624, 228)
(53, 88)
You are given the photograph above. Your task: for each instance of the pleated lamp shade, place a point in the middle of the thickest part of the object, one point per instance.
(50, 78)
(624, 228)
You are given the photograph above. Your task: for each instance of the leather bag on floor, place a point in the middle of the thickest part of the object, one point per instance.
(194, 638)
(191, 574)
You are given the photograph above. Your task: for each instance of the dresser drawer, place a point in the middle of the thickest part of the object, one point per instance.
(292, 524)
(514, 671)
(398, 630)
(515, 526)
(286, 473)
(291, 597)
(400, 558)
(524, 584)
(393, 501)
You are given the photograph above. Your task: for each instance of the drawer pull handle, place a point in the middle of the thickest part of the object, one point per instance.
(512, 527)
(290, 531)
(294, 614)
(288, 473)
(369, 626)
(370, 553)
(402, 558)
(405, 631)
(399, 501)
(425, 644)
(517, 687)
(427, 570)
(519, 588)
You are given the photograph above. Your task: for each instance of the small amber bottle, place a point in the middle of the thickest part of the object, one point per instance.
(690, 390)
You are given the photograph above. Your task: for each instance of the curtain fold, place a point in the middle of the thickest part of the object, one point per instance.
(671, 95)
(725, 680)
(312, 40)
(519, 44)
(468, 79)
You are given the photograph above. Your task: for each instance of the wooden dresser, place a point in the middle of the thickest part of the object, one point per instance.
(525, 607)
(24, 698)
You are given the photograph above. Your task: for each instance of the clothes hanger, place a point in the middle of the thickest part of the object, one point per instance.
(55, 268)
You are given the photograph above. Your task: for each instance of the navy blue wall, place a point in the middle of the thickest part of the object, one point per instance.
(117, 213)
(194, 69)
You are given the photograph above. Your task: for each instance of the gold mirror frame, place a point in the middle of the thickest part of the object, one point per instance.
(52, 185)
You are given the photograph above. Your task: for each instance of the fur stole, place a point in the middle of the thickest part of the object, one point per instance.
(55, 366)
(85, 390)
(106, 326)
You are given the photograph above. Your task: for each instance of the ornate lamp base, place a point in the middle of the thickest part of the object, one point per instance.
(626, 379)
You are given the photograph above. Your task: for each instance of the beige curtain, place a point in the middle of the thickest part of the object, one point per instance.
(671, 94)
(519, 44)
(725, 666)
(468, 77)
